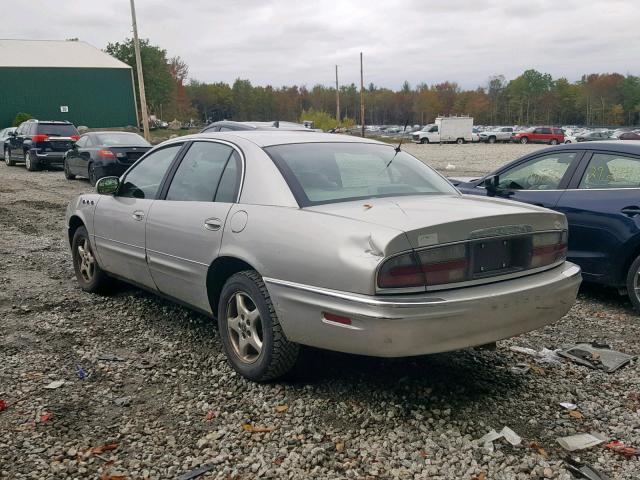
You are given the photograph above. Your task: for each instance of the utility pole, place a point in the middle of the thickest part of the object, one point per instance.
(143, 97)
(361, 96)
(337, 98)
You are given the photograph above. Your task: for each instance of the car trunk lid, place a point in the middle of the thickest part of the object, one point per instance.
(128, 155)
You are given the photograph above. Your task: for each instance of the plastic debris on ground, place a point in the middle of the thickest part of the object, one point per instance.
(55, 384)
(597, 356)
(3, 405)
(545, 356)
(580, 470)
(569, 405)
(81, 373)
(624, 450)
(197, 472)
(581, 441)
(520, 369)
(509, 435)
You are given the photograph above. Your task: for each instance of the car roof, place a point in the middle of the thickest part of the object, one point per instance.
(267, 138)
(621, 146)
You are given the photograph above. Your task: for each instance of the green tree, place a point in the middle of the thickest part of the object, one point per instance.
(158, 83)
(21, 117)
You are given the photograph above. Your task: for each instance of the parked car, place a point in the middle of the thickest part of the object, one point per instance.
(550, 135)
(4, 136)
(597, 186)
(499, 134)
(294, 239)
(40, 143)
(231, 126)
(101, 154)
(635, 135)
(594, 137)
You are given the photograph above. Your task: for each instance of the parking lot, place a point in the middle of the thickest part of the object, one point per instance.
(147, 392)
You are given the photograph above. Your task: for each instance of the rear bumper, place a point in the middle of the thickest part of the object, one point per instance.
(434, 322)
(111, 169)
(50, 158)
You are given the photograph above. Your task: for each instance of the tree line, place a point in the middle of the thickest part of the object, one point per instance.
(531, 98)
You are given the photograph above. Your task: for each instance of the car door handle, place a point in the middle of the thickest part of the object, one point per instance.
(138, 215)
(212, 223)
(631, 210)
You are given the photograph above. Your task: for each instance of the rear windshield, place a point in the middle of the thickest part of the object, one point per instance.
(124, 139)
(56, 129)
(320, 173)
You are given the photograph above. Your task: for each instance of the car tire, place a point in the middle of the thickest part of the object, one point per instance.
(90, 276)
(67, 173)
(91, 174)
(567, 142)
(31, 162)
(424, 140)
(251, 334)
(524, 140)
(7, 158)
(492, 139)
(553, 142)
(460, 141)
(633, 284)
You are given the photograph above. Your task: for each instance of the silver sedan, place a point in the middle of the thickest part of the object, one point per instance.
(337, 242)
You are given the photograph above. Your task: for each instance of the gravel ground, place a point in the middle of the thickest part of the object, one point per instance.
(147, 379)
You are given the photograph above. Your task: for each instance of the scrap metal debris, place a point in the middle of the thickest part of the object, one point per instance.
(197, 472)
(569, 405)
(581, 470)
(581, 441)
(597, 356)
(544, 356)
(55, 384)
(509, 435)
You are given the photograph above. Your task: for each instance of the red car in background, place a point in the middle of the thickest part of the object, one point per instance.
(550, 135)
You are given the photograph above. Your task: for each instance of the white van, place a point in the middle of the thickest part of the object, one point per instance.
(446, 129)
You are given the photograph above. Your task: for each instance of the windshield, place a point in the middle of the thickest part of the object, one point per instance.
(320, 173)
(126, 139)
(57, 129)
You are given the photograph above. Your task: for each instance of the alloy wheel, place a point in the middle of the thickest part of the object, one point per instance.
(245, 327)
(87, 260)
(27, 161)
(7, 156)
(92, 174)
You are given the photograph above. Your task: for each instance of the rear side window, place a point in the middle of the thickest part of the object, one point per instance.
(608, 170)
(200, 172)
(544, 131)
(56, 129)
(143, 181)
(557, 131)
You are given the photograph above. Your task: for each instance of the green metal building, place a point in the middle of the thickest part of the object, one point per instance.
(65, 80)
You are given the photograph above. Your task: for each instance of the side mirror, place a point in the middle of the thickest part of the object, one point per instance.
(491, 185)
(108, 185)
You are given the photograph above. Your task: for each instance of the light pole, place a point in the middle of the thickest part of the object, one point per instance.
(143, 97)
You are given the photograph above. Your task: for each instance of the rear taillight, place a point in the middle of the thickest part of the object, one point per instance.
(444, 264)
(75, 137)
(39, 138)
(401, 271)
(105, 154)
(548, 248)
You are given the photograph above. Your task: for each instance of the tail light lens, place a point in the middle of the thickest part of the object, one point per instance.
(548, 248)
(75, 137)
(452, 263)
(40, 138)
(106, 154)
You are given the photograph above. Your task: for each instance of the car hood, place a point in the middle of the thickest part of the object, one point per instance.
(429, 220)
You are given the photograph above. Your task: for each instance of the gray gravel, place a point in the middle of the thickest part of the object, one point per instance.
(157, 385)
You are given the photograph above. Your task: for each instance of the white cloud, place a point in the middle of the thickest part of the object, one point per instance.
(294, 42)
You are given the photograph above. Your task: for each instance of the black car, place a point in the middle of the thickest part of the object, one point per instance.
(597, 186)
(103, 154)
(40, 143)
(4, 136)
(231, 126)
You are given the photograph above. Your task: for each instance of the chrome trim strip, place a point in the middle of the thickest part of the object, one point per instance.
(355, 297)
(177, 258)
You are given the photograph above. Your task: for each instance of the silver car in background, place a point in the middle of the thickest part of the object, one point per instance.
(337, 242)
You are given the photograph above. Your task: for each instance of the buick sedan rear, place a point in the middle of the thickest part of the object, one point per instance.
(292, 238)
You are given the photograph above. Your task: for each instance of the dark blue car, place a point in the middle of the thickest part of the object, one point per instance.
(597, 186)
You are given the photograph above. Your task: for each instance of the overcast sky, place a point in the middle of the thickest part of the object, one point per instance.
(299, 42)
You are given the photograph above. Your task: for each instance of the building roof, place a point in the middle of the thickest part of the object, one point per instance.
(55, 54)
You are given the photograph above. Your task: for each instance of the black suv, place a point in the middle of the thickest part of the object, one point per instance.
(40, 143)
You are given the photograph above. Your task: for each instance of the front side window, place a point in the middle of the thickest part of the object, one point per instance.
(199, 173)
(320, 173)
(609, 170)
(144, 180)
(540, 173)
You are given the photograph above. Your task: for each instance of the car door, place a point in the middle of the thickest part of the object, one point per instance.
(84, 155)
(72, 155)
(602, 206)
(119, 220)
(184, 228)
(17, 142)
(539, 180)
